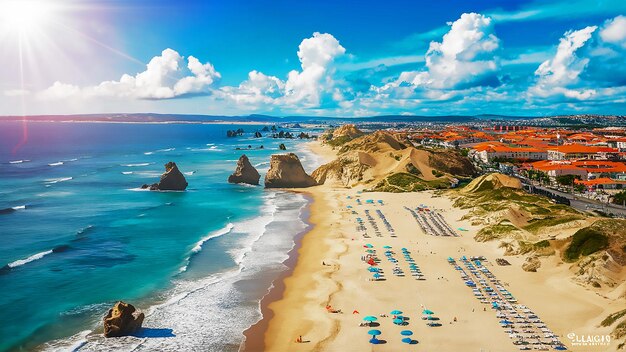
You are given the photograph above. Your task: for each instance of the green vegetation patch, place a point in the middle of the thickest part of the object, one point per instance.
(496, 231)
(538, 224)
(335, 142)
(585, 241)
(612, 318)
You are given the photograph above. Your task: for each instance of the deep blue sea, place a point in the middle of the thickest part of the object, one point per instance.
(76, 234)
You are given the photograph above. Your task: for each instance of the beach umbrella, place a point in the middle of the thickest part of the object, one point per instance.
(387, 247)
(377, 276)
(406, 332)
(560, 348)
(505, 322)
(369, 245)
(373, 269)
(370, 251)
(373, 340)
(407, 340)
(398, 321)
(374, 332)
(428, 312)
(370, 318)
(396, 312)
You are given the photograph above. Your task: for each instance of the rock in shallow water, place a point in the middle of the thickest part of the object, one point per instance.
(121, 320)
(286, 171)
(245, 172)
(171, 180)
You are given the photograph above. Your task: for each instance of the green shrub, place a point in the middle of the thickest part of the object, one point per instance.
(585, 241)
(335, 142)
(542, 244)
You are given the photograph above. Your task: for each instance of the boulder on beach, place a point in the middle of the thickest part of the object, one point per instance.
(531, 264)
(171, 180)
(286, 171)
(121, 320)
(245, 172)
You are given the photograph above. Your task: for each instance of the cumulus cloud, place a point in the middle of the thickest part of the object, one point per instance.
(614, 31)
(316, 56)
(465, 57)
(164, 78)
(307, 88)
(587, 64)
(563, 70)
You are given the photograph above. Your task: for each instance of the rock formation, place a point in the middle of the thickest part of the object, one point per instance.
(245, 172)
(234, 133)
(171, 180)
(348, 130)
(286, 171)
(257, 134)
(531, 264)
(282, 146)
(121, 320)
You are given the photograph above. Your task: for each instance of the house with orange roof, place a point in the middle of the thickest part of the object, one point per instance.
(602, 183)
(579, 151)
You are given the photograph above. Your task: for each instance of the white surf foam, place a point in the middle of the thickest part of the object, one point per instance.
(221, 232)
(58, 163)
(18, 161)
(137, 165)
(148, 153)
(127, 172)
(19, 207)
(189, 173)
(262, 164)
(57, 180)
(32, 258)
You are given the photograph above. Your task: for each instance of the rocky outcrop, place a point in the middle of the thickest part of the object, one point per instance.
(531, 264)
(245, 172)
(257, 134)
(234, 133)
(121, 320)
(282, 146)
(171, 180)
(349, 130)
(286, 171)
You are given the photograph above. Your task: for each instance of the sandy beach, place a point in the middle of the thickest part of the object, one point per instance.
(330, 275)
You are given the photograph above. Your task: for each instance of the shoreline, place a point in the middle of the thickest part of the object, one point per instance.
(253, 336)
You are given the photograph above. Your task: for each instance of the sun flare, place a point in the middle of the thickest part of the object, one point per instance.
(24, 16)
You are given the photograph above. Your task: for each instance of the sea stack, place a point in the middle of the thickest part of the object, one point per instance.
(245, 172)
(286, 171)
(171, 180)
(121, 320)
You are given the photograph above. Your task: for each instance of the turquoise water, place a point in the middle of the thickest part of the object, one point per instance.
(76, 233)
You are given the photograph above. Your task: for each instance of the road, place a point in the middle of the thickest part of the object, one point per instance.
(584, 204)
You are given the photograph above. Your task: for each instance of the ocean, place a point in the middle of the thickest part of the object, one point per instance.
(77, 234)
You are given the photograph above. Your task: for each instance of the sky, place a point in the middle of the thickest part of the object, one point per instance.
(330, 58)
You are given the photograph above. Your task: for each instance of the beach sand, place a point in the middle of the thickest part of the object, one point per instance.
(329, 271)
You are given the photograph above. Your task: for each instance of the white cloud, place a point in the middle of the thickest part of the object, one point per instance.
(465, 57)
(614, 31)
(316, 56)
(161, 80)
(587, 65)
(565, 67)
(16, 92)
(303, 89)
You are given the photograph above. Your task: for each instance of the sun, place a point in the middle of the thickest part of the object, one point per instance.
(24, 16)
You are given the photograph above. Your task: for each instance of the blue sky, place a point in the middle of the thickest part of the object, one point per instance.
(334, 58)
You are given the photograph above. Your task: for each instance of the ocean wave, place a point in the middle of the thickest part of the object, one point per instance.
(166, 150)
(210, 149)
(138, 189)
(58, 163)
(12, 209)
(136, 165)
(84, 230)
(127, 172)
(32, 258)
(71, 160)
(148, 153)
(18, 161)
(57, 180)
(189, 173)
(221, 232)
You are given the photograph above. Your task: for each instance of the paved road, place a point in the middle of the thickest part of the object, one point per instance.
(585, 204)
